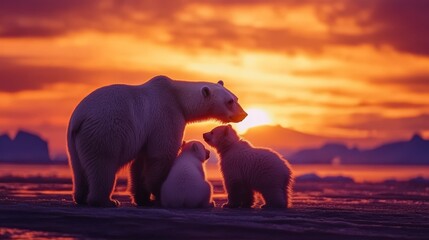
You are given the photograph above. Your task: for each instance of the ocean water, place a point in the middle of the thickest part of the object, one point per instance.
(360, 173)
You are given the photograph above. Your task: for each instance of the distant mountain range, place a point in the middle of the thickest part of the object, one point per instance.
(25, 147)
(297, 147)
(290, 140)
(415, 151)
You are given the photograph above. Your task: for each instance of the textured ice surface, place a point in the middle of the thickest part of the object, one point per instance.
(321, 210)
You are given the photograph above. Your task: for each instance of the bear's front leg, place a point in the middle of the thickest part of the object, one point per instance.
(274, 198)
(234, 195)
(139, 193)
(155, 173)
(160, 153)
(247, 198)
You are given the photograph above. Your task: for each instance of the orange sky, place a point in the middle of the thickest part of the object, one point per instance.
(334, 68)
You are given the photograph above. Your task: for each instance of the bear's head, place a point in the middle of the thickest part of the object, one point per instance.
(221, 136)
(197, 149)
(222, 104)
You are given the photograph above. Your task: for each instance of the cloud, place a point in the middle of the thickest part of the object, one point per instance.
(335, 92)
(50, 18)
(376, 122)
(400, 24)
(373, 22)
(393, 104)
(41, 19)
(333, 98)
(17, 77)
(413, 83)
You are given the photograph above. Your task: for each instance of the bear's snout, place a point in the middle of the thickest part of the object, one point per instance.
(239, 117)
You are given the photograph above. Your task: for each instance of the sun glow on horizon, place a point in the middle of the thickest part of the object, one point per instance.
(256, 117)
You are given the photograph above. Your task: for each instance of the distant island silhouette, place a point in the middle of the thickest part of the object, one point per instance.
(290, 140)
(303, 148)
(24, 148)
(415, 152)
(297, 147)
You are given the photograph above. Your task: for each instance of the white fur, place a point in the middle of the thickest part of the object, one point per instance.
(247, 169)
(144, 125)
(186, 186)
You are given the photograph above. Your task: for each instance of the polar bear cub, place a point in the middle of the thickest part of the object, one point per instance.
(186, 186)
(247, 169)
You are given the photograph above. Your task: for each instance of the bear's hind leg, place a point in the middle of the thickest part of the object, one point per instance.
(140, 195)
(80, 183)
(102, 180)
(274, 198)
(80, 180)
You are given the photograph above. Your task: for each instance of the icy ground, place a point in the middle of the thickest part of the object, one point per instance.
(40, 208)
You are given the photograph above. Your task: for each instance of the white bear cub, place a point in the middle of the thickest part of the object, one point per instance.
(186, 186)
(247, 169)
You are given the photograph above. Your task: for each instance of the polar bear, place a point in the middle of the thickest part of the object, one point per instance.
(142, 125)
(186, 186)
(247, 169)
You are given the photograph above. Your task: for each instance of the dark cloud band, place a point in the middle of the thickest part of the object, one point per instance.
(397, 23)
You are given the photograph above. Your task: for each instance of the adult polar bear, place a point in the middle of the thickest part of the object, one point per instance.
(144, 125)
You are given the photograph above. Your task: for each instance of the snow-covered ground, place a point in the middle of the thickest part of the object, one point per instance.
(324, 208)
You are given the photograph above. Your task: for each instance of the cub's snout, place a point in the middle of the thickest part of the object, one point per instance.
(207, 137)
(207, 154)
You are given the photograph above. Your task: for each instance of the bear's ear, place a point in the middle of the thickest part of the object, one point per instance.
(229, 125)
(206, 91)
(220, 82)
(183, 143)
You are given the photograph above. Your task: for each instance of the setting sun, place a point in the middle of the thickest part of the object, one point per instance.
(256, 117)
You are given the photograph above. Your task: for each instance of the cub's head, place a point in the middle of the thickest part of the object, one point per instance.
(197, 149)
(221, 136)
(222, 104)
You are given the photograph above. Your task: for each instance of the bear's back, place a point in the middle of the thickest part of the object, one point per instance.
(117, 96)
(247, 162)
(106, 100)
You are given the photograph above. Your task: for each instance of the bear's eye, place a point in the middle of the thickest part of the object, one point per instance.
(230, 102)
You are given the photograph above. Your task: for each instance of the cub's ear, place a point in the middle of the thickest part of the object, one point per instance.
(220, 82)
(206, 156)
(206, 91)
(194, 147)
(229, 125)
(226, 131)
